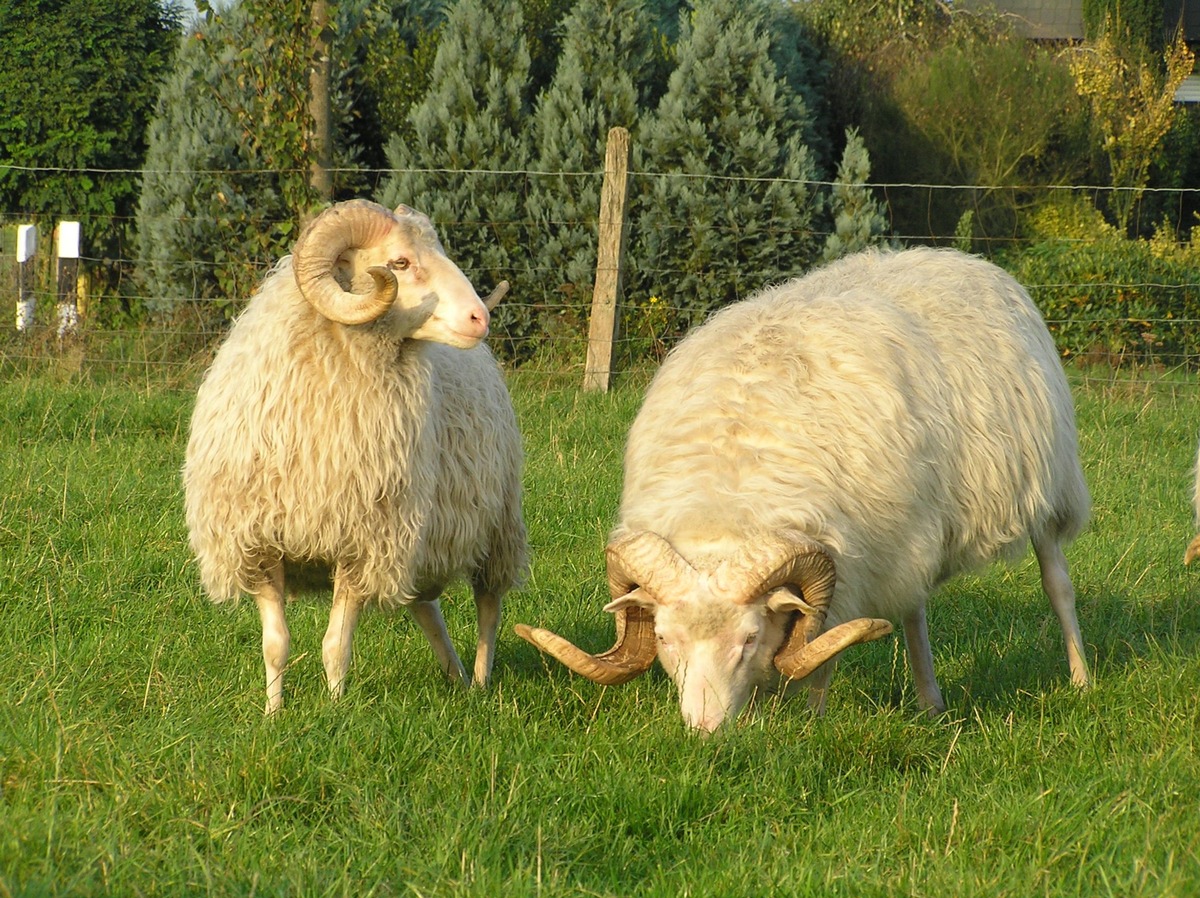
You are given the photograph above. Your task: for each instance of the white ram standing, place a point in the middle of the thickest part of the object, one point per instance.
(352, 425)
(813, 462)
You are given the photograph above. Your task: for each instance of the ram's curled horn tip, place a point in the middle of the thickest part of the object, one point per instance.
(1193, 550)
(797, 661)
(630, 657)
(496, 295)
(343, 226)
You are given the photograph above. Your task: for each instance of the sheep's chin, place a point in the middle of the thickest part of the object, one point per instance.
(447, 336)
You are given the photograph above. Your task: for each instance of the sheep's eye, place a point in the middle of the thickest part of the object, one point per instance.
(398, 264)
(751, 638)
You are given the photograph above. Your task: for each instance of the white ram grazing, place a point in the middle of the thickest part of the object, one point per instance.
(353, 426)
(1193, 549)
(811, 463)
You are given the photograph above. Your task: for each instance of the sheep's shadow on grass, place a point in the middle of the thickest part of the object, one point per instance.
(1016, 652)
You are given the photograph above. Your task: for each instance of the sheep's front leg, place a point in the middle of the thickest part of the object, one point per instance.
(338, 642)
(920, 659)
(428, 614)
(1056, 581)
(276, 640)
(818, 686)
(487, 614)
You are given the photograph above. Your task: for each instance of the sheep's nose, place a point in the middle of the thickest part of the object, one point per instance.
(478, 321)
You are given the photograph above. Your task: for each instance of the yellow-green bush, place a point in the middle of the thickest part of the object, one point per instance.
(1130, 301)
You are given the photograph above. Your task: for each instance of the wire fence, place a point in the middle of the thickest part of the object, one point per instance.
(1158, 317)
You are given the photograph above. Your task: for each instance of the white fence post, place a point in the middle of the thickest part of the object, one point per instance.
(67, 279)
(26, 275)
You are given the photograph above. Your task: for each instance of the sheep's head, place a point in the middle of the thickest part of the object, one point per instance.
(358, 262)
(718, 633)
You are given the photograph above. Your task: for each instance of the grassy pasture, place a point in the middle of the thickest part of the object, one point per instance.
(135, 760)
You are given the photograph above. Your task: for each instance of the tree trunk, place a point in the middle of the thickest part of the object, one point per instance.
(319, 107)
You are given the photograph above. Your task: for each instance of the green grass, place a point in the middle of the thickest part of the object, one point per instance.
(135, 760)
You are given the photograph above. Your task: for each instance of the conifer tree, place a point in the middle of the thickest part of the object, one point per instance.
(225, 186)
(728, 206)
(466, 169)
(606, 43)
(857, 216)
(198, 206)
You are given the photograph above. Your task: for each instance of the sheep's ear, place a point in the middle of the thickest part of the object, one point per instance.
(404, 210)
(785, 600)
(637, 598)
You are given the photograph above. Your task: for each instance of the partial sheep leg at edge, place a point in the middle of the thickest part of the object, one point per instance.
(818, 686)
(1056, 581)
(276, 640)
(427, 612)
(487, 615)
(920, 660)
(338, 642)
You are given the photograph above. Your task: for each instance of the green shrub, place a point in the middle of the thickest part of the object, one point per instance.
(1118, 300)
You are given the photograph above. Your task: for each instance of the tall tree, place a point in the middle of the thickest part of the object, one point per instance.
(596, 87)
(466, 167)
(207, 220)
(728, 205)
(230, 166)
(78, 80)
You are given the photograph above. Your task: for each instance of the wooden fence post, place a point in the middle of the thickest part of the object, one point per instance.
(67, 279)
(610, 259)
(26, 276)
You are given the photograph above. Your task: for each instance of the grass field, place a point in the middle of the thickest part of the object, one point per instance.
(135, 759)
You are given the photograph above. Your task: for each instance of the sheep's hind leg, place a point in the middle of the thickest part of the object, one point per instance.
(920, 659)
(487, 614)
(276, 640)
(427, 612)
(337, 645)
(1056, 581)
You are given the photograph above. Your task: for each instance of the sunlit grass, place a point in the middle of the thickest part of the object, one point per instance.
(135, 760)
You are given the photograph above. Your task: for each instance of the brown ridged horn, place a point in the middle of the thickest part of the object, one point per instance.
(349, 225)
(804, 564)
(800, 657)
(641, 566)
(630, 657)
(645, 559)
(798, 561)
(1193, 550)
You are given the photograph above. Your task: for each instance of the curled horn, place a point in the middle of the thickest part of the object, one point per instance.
(799, 657)
(642, 568)
(630, 657)
(802, 563)
(348, 225)
(647, 560)
(798, 561)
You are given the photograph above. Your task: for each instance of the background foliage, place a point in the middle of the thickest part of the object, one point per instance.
(77, 86)
(497, 130)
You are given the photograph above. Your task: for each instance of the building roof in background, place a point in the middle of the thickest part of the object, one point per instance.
(1062, 20)
(1044, 20)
